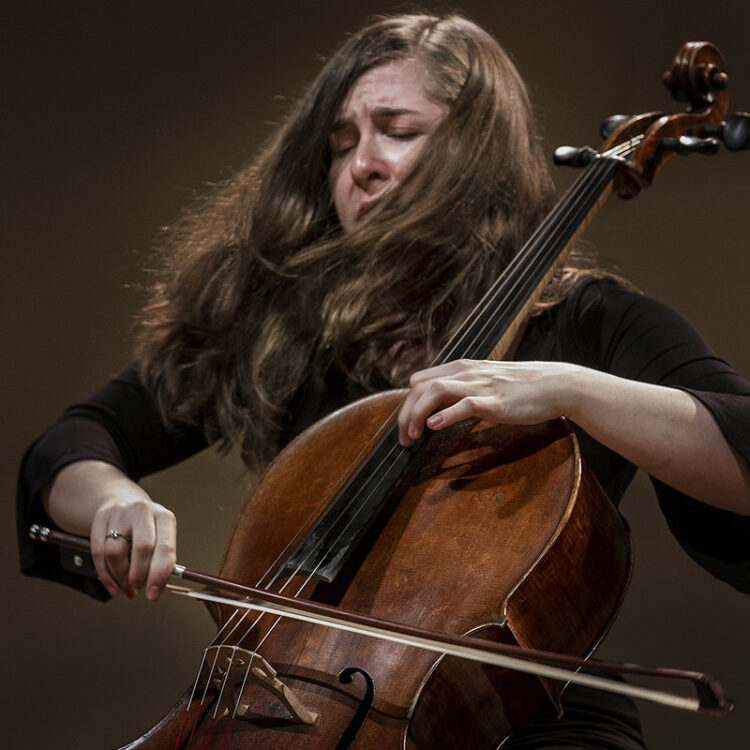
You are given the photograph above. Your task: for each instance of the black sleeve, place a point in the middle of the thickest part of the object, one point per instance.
(623, 332)
(121, 425)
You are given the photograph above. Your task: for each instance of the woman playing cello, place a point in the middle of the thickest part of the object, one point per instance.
(338, 263)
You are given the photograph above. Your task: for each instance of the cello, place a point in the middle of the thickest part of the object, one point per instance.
(378, 563)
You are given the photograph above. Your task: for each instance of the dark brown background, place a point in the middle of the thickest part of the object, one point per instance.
(115, 114)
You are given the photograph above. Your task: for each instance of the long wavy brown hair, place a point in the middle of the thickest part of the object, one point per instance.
(256, 285)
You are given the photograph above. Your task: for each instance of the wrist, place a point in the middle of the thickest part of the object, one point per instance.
(575, 385)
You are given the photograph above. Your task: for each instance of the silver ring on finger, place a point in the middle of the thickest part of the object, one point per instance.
(115, 534)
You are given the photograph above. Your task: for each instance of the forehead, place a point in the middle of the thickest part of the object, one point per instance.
(396, 84)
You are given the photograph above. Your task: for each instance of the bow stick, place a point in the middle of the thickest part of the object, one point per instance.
(710, 697)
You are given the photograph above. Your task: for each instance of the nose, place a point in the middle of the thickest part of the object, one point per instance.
(368, 165)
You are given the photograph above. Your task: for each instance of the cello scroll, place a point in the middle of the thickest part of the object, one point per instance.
(698, 75)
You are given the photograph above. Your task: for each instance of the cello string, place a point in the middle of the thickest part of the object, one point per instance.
(227, 672)
(210, 673)
(550, 240)
(242, 687)
(309, 577)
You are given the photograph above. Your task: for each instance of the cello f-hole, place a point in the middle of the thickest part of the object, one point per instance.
(345, 677)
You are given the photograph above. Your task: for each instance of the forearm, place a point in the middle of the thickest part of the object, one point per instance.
(664, 431)
(80, 489)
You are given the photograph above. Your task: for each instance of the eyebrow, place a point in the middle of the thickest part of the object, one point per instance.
(340, 124)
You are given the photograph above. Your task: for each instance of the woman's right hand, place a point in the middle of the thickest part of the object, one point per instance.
(133, 539)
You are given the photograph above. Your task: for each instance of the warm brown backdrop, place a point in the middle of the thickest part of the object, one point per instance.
(114, 114)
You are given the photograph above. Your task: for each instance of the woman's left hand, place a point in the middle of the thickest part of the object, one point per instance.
(665, 431)
(509, 392)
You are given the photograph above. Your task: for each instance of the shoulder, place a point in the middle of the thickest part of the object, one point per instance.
(578, 326)
(613, 303)
(607, 324)
(615, 307)
(606, 296)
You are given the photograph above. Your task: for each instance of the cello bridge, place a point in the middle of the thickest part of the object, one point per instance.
(234, 668)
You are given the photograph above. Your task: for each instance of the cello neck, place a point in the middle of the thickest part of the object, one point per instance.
(488, 331)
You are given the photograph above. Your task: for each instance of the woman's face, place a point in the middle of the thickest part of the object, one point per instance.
(380, 130)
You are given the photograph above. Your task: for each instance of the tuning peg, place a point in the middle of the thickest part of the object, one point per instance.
(735, 132)
(570, 156)
(688, 144)
(611, 124)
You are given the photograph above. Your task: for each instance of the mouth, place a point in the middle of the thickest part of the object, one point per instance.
(368, 203)
(365, 206)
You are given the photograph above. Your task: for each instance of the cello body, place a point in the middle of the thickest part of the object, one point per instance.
(498, 531)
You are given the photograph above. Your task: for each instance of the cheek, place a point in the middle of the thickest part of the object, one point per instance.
(334, 181)
(404, 159)
(338, 188)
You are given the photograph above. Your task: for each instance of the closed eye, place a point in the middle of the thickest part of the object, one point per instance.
(337, 153)
(341, 144)
(408, 136)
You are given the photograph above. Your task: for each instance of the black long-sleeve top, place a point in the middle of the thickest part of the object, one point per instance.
(601, 325)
